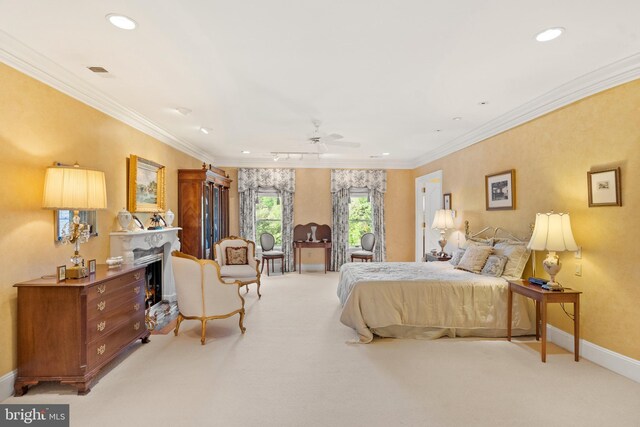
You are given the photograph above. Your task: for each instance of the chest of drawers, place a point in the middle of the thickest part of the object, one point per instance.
(68, 331)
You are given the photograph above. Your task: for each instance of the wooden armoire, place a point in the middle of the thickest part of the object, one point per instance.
(203, 209)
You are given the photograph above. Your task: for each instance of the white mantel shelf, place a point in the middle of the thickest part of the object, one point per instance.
(123, 243)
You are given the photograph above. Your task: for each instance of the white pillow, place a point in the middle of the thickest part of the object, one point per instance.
(457, 256)
(517, 256)
(474, 258)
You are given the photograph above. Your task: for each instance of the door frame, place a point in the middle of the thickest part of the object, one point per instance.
(432, 185)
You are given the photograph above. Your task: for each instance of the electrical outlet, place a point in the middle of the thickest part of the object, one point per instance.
(578, 269)
(578, 254)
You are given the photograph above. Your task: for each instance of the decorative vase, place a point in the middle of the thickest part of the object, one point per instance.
(309, 236)
(124, 219)
(313, 233)
(169, 217)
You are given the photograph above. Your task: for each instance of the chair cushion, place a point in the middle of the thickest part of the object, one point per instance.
(369, 253)
(236, 255)
(273, 253)
(238, 271)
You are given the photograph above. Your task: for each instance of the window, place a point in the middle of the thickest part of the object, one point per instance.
(359, 216)
(269, 216)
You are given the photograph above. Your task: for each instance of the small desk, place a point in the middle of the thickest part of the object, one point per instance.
(542, 297)
(297, 253)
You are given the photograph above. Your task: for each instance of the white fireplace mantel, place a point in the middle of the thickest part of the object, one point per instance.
(123, 244)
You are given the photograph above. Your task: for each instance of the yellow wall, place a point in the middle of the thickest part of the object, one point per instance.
(551, 156)
(39, 125)
(312, 203)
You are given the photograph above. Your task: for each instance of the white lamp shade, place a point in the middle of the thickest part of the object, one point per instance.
(552, 232)
(443, 219)
(74, 188)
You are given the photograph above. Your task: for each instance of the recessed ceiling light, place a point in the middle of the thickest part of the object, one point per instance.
(483, 102)
(182, 110)
(385, 154)
(549, 34)
(205, 130)
(246, 152)
(121, 21)
(457, 118)
(438, 130)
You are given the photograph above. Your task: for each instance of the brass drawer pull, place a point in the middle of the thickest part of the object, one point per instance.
(102, 349)
(102, 325)
(101, 289)
(102, 305)
(136, 326)
(136, 306)
(137, 275)
(136, 290)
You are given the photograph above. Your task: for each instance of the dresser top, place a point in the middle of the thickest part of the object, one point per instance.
(103, 273)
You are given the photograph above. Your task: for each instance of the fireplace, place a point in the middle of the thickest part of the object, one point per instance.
(153, 260)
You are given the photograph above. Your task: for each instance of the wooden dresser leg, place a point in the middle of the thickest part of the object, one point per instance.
(20, 388)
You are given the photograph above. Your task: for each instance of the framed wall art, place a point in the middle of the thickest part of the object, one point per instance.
(146, 185)
(446, 201)
(61, 273)
(604, 188)
(500, 190)
(92, 266)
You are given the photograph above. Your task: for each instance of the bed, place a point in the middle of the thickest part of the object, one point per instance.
(427, 300)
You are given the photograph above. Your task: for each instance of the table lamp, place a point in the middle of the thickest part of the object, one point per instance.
(442, 220)
(552, 232)
(77, 189)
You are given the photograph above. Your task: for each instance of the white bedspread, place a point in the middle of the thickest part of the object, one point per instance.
(387, 298)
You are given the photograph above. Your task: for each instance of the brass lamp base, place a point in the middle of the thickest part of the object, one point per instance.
(77, 272)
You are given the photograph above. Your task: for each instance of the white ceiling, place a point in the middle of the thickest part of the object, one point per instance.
(386, 74)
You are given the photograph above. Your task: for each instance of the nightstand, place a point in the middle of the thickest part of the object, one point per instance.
(542, 297)
(438, 258)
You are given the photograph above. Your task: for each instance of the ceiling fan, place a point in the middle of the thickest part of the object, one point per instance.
(321, 139)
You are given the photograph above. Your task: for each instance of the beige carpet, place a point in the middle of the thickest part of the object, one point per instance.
(294, 368)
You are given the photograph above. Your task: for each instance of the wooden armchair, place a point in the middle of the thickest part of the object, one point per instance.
(234, 269)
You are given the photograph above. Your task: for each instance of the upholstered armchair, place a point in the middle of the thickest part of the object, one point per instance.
(237, 259)
(367, 243)
(202, 294)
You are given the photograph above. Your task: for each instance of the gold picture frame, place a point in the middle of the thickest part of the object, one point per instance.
(500, 190)
(146, 185)
(604, 188)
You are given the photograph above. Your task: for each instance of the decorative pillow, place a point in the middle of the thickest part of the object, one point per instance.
(474, 258)
(517, 256)
(476, 241)
(236, 255)
(494, 265)
(457, 256)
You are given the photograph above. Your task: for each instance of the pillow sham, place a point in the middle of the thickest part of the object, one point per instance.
(475, 241)
(236, 255)
(517, 256)
(494, 265)
(457, 256)
(474, 258)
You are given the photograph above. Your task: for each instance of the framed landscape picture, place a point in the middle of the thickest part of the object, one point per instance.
(500, 190)
(146, 185)
(604, 188)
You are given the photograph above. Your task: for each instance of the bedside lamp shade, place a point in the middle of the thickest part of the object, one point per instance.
(74, 188)
(443, 219)
(552, 232)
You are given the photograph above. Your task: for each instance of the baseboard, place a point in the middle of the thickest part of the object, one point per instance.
(6, 385)
(611, 360)
(311, 267)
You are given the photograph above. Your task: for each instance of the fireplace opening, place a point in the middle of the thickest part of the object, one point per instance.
(153, 260)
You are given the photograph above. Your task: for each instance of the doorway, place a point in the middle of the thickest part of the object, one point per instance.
(428, 200)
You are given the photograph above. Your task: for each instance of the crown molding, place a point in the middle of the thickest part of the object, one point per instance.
(313, 163)
(26, 60)
(615, 74)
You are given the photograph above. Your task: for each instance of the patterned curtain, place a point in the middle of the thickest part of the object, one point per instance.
(287, 229)
(250, 181)
(340, 231)
(341, 181)
(377, 212)
(248, 200)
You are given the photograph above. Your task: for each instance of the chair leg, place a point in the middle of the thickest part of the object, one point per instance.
(259, 296)
(282, 265)
(268, 265)
(262, 268)
(204, 331)
(180, 318)
(242, 328)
